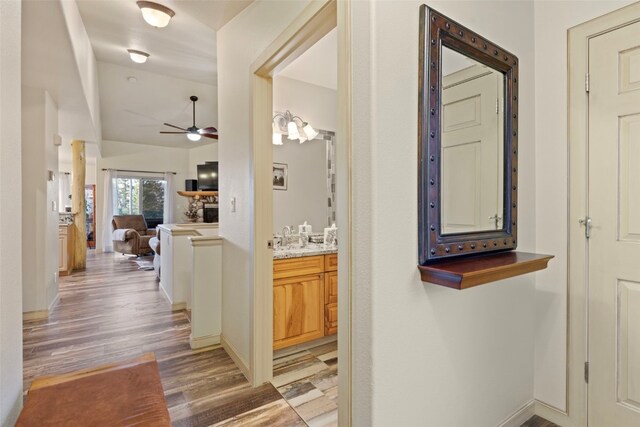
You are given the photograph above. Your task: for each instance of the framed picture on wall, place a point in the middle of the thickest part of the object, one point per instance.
(280, 178)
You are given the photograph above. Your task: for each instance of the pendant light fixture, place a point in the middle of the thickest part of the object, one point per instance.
(292, 126)
(155, 14)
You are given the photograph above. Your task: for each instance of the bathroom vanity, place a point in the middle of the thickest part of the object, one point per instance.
(305, 294)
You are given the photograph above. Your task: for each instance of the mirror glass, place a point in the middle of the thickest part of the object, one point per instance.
(472, 145)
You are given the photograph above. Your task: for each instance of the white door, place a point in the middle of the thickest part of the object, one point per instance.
(614, 246)
(472, 147)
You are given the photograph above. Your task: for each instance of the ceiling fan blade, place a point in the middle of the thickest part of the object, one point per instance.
(181, 133)
(174, 126)
(210, 129)
(209, 135)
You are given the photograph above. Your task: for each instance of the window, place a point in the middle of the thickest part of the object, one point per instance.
(136, 195)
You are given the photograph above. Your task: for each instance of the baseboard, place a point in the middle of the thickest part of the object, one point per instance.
(520, 416)
(553, 414)
(177, 306)
(235, 356)
(205, 341)
(35, 315)
(164, 292)
(55, 301)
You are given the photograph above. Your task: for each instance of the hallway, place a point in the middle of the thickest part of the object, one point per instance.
(113, 312)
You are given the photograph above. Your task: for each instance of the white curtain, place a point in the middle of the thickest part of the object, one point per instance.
(64, 191)
(169, 198)
(107, 210)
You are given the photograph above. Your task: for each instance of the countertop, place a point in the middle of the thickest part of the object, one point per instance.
(310, 250)
(190, 229)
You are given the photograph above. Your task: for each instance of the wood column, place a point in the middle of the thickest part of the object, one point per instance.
(78, 203)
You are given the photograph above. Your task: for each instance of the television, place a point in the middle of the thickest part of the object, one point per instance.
(208, 176)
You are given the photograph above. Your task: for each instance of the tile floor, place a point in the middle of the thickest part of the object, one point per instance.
(308, 380)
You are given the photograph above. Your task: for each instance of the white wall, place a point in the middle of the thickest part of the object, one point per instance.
(420, 352)
(424, 354)
(86, 65)
(10, 218)
(197, 156)
(40, 220)
(237, 49)
(306, 196)
(124, 155)
(90, 176)
(552, 20)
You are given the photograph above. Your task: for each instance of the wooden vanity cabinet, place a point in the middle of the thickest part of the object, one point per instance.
(305, 299)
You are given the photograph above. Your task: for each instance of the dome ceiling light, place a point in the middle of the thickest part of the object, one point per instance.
(155, 14)
(138, 56)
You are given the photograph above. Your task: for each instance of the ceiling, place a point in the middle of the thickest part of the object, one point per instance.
(48, 63)
(318, 65)
(182, 62)
(135, 112)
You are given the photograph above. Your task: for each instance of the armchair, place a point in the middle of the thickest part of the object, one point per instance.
(130, 235)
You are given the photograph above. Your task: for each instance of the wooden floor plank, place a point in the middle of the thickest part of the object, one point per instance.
(113, 311)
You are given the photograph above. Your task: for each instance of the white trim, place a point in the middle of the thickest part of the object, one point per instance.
(551, 413)
(520, 416)
(205, 341)
(313, 23)
(344, 212)
(235, 356)
(578, 56)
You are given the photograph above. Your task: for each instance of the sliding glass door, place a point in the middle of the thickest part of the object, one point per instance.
(140, 196)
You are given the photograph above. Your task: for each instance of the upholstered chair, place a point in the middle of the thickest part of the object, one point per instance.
(130, 235)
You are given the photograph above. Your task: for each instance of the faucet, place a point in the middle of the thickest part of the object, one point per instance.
(286, 235)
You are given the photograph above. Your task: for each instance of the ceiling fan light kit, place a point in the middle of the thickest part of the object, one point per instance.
(292, 126)
(138, 56)
(155, 14)
(193, 136)
(193, 132)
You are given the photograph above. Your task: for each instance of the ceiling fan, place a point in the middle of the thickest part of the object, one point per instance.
(193, 132)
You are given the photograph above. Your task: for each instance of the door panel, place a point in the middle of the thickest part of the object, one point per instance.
(629, 343)
(614, 206)
(471, 151)
(629, 213)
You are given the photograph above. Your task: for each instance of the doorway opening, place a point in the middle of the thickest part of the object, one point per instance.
(312, 25)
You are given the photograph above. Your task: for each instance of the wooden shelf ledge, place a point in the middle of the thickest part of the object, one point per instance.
(198, 193)
(463, 273)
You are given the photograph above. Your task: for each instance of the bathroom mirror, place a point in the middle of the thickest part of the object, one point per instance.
(467, 142)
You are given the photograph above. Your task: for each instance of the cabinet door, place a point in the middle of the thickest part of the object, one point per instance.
(298, 310)
(331, 287)
(331, 302)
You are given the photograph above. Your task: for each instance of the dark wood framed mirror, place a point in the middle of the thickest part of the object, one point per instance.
(467, 142)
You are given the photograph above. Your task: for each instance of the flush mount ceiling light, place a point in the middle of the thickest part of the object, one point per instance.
(138, 56)
(292, 126)
(155, 14)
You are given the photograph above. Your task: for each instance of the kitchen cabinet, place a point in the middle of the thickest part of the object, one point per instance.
(65, 249)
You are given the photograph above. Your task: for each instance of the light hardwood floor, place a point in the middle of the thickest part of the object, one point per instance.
(113, 312)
